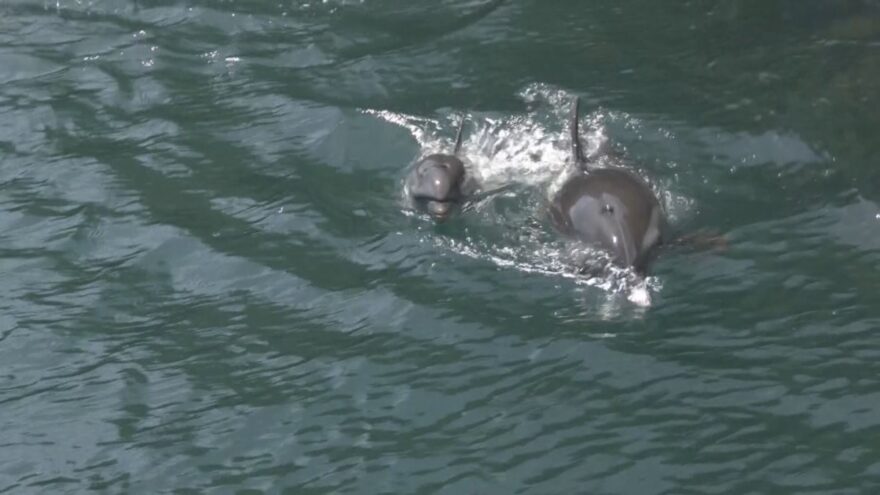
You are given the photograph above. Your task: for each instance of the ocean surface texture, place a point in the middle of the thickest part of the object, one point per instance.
(211, 282)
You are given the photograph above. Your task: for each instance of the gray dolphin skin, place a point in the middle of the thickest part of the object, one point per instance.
(610, 208)
(435, 183)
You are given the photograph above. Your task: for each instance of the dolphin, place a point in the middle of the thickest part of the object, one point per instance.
(610, 208)
(436, 181)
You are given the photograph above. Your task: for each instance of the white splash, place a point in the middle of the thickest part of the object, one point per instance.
(532, 150)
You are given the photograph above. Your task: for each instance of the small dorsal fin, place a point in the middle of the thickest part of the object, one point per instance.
(576, 151)
(458, 136)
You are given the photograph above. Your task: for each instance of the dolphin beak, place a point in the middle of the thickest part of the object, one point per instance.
(624, 247)
(440, 210)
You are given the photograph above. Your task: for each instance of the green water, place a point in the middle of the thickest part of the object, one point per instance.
(211, 283)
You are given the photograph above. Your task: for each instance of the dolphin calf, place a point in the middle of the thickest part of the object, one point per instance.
(610, 208)
(435, 184)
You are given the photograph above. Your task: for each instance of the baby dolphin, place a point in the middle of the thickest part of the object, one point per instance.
(610, 208)
(435, 183)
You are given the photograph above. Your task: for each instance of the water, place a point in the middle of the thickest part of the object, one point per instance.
(211, 284)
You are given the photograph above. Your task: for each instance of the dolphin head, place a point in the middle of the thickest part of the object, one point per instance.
(435, 184)
(601, 218)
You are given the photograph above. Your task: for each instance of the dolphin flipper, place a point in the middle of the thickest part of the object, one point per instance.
(481, 195)
(700, 240)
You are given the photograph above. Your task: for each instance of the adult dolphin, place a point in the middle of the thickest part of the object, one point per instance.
(610, 208)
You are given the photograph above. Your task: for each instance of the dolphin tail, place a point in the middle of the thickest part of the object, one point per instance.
(576, 151)
(458, 136)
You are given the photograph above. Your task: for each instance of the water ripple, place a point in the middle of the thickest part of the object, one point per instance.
(211, 282)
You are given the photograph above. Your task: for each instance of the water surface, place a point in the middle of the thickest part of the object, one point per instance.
(211, 285)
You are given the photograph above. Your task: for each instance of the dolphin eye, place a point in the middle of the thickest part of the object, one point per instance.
(608, 209)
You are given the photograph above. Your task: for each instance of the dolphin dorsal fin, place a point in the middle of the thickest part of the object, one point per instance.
(458, 137)
(576, 152)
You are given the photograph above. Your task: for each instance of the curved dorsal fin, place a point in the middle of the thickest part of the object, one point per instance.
(458, 137)
(576, 151)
